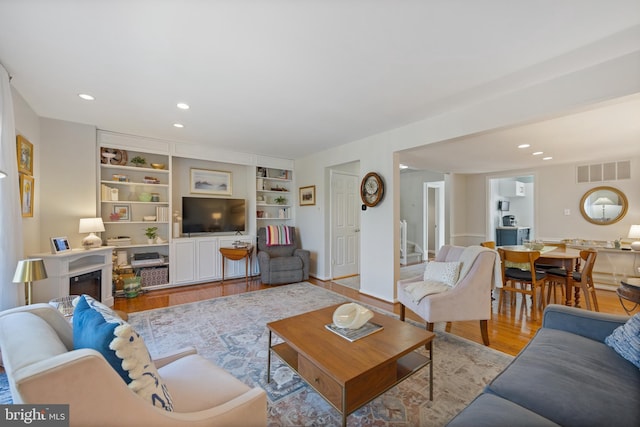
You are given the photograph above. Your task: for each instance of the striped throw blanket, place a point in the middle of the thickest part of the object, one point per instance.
(278, 235)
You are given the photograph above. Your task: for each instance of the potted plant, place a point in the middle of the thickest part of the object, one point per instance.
(151, 233)
(280, 200)
(138, 161)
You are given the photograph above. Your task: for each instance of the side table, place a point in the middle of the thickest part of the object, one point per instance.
(237, 253)
(629, 290)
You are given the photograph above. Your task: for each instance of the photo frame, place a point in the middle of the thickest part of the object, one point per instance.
(26, 195)
(59, 245)
(123, 211)
(25, 155)
(204, 181)
(308, 195)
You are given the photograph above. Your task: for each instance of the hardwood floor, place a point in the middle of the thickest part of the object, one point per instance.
(509, 331)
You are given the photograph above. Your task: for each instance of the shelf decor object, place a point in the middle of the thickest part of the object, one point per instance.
(91, 226)
(210, 182)
(634, 233)
(28, 271)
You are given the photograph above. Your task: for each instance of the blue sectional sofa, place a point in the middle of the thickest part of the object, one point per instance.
(565, 376)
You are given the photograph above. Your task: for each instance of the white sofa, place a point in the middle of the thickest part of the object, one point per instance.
(43, 368)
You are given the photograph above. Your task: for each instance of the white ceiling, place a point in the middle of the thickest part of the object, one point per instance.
(290, 78)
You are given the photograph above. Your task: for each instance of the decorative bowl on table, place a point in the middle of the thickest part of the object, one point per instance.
(157, 165)
(536, 246)
(149, 218)
(351, 316)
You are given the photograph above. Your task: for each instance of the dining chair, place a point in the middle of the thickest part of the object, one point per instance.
(488, 244)
(519, 275)
(583, 278)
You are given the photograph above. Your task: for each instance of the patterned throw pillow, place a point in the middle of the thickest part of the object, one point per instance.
(625, 340)
(445, 272)
(96, 326)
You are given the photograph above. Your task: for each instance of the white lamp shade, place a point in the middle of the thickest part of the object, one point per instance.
(634, 233)
(91, 225)
(603, 201)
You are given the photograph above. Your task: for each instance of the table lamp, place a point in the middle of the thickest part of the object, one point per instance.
(634, 233)
(30, 270)
(91, 226)
(603, 201)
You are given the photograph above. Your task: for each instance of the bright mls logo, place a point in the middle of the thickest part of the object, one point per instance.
(34, 415)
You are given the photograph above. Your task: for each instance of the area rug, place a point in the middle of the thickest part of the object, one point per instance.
(230, 331)
(405, 273)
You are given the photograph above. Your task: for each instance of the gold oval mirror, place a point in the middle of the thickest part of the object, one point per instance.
(603, 205)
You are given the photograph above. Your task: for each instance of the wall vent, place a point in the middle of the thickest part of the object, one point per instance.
(599, 172)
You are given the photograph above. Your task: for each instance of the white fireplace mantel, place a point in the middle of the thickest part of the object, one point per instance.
(61, 267)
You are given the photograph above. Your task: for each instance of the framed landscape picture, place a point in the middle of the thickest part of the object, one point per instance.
(26, 195)
(308, 195)
(205, 181)
(25, 155)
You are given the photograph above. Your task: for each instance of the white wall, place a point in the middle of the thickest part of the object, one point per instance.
(411, 203)
(27, 124)
(555, 190)
(379, 238)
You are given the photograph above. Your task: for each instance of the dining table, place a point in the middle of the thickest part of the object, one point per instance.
(566, 258)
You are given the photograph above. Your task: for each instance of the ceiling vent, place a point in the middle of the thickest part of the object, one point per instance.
(598, 172)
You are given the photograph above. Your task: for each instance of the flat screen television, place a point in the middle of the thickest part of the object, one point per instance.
(213, 215)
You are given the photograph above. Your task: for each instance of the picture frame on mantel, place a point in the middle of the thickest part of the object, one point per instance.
(308, 195)
(25, 155)
(204, 181)
(26, 195)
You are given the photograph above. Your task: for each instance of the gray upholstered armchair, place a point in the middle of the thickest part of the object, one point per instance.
(282, 263)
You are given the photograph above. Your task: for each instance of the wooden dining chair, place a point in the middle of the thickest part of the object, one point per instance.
(488, 244)
(583, 278)
(519, 275)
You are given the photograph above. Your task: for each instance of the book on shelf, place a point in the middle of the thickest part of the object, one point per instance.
(354, 334)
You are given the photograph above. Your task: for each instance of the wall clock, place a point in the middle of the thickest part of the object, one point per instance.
(371, 189)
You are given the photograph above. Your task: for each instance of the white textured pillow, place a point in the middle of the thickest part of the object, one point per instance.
(145, 380)
(445, 272)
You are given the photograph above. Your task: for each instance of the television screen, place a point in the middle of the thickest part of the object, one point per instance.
(211, 215)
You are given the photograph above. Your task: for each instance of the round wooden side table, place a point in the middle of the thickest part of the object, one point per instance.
(629, 290)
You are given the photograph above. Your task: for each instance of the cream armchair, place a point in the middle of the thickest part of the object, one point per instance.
(37, 350)
(469, 299)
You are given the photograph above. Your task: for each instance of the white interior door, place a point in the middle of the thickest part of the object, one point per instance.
(345, 225)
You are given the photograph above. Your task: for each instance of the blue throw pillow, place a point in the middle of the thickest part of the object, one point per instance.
(625, 340)
(96, 326)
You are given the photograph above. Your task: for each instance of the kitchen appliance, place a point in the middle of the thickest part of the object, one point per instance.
(509, 220)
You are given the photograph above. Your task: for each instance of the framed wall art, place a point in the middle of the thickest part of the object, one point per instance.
(205, 181)
(308, 195)
(123, 212)
(26, 195)
(25, 155)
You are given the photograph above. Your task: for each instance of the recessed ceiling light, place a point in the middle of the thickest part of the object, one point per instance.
(86, 96)
(547, 158)
(183, 106)
(537, 153)
(178, 125)
(524, 145)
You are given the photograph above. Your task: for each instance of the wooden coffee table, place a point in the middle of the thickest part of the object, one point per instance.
(350, 374)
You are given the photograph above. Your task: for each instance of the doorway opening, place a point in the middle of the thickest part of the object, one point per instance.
(434, 218)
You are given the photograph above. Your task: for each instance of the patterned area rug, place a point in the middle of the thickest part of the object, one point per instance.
(405, 272)
(230, 331)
